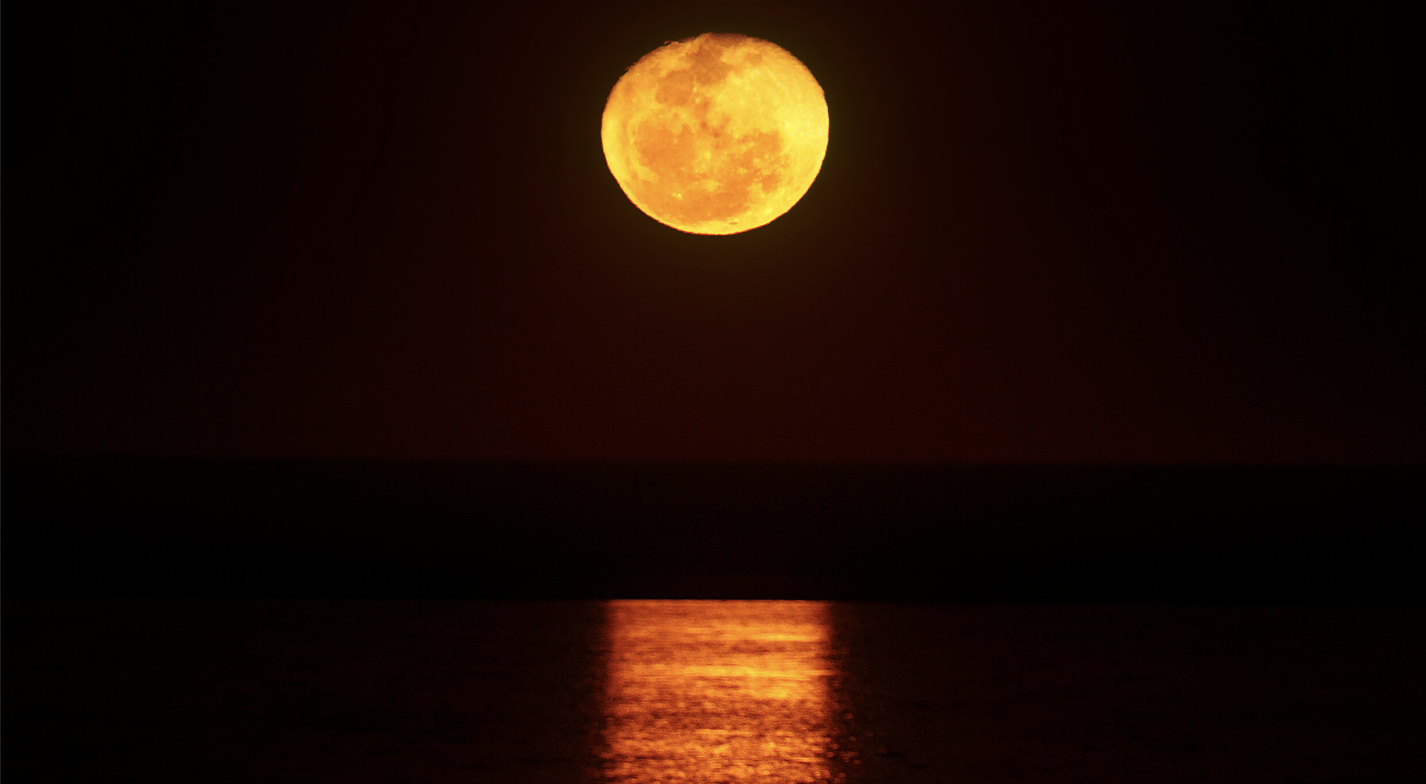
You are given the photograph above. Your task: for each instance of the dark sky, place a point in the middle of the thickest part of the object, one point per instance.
(1044, 232)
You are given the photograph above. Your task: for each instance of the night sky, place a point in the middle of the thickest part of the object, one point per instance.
(1043, 233)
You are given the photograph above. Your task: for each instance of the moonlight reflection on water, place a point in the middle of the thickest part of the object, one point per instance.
(719, 691)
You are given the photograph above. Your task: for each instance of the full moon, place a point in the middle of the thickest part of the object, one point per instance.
(716, 134)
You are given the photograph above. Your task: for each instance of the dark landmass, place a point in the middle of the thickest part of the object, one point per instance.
(1121, 534)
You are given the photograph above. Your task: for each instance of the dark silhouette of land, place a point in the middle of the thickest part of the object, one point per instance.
(112, 526)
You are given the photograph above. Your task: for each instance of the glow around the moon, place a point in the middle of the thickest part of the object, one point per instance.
(716, 134)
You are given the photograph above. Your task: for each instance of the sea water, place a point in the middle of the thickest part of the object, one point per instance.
(657, 691)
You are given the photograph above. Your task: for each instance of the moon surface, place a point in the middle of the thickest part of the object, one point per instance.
(716, 134)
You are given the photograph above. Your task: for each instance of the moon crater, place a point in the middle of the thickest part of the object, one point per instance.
(716, 134)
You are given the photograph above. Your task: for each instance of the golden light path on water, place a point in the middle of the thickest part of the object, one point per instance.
(719, 691)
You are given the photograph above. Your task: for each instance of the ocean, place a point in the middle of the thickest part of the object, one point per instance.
(349, 690)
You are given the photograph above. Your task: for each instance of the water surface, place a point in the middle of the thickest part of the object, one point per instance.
(714, 691)
(424, 691)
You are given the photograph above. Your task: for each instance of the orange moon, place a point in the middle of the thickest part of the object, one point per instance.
(716, 134)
